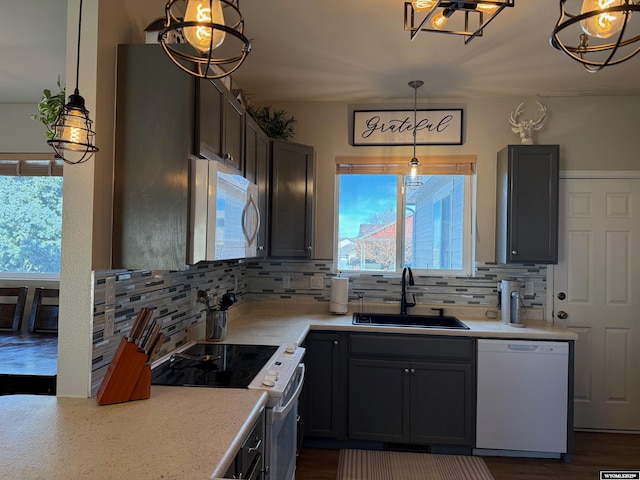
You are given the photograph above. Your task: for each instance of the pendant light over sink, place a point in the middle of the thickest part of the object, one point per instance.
(205, 38)
(413, 178)
(600, 34)
(72, 131)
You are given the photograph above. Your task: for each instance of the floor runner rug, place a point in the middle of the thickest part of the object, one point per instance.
(384, 465)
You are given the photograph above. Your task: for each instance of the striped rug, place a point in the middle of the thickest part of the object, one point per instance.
(383, 465)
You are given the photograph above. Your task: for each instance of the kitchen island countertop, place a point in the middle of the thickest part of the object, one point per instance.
(178, 433)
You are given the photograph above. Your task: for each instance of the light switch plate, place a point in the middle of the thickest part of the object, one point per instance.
(528, 288)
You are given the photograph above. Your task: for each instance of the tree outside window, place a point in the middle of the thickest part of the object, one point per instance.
(30, 224)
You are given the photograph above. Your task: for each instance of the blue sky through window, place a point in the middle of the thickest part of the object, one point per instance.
(361, 197)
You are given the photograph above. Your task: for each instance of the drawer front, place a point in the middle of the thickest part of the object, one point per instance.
(395, 345)
(252, 449)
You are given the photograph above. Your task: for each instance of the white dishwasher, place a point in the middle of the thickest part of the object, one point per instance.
(522, 397)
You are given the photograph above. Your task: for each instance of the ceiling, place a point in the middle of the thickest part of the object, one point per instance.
(345, 50)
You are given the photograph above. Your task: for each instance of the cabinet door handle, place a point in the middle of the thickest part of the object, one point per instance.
(335, 343)
(309, 247)
(255, 449)
(413, 370)
(514, 252)
(406, 371)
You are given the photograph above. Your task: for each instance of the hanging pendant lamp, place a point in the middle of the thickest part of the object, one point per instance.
(73, 136)
(212, 43)
(414, 177)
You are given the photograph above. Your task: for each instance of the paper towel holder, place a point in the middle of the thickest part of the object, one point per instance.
(339, 303)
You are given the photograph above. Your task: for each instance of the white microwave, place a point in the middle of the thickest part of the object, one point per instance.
(224, 213)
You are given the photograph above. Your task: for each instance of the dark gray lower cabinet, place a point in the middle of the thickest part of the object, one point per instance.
(409, 389)
(324, 397)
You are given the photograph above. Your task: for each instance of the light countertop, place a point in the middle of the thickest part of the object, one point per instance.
(277, 323)
(179, 433)
(182, 432)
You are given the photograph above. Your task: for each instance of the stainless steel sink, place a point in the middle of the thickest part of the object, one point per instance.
(397, 320)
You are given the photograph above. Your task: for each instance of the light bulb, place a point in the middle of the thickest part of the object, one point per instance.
(204, 11)
(423, 5)
(605, 24)
(488, 8)
(414, 168)
(74, 130)
(439, 20)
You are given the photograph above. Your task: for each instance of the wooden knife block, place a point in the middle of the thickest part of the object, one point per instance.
(127, 378)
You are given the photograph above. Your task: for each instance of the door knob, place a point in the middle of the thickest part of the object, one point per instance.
(562, 296)
(562, 315)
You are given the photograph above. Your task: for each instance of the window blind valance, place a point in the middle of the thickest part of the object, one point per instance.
(30, 165)
(431, 165)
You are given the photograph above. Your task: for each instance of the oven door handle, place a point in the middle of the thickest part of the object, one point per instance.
(280, 412)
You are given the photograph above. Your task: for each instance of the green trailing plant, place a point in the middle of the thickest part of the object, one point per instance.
(275, 123)
(49, 108)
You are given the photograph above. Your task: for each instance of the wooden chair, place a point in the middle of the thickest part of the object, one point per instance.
(44, 311)
(12, 309)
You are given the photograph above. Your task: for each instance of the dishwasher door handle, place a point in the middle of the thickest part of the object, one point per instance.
(522, 348)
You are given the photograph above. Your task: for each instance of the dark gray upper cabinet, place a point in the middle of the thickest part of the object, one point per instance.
(527, 204)
(154, 138)
(256, 170)
(219, 133)
(233, 128)
(291, 200)
(208, 133)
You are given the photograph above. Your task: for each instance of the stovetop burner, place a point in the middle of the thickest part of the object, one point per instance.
(213, 365)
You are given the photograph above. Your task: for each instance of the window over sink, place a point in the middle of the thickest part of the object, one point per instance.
(383, 226)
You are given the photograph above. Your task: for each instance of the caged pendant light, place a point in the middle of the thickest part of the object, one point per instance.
(414, 178)
(205, 38)
(601, 34)
(73, 136)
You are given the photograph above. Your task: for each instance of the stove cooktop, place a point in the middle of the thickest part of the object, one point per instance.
(213, 365)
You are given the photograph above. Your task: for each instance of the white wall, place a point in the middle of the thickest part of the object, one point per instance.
(594, 133)
(19, 133)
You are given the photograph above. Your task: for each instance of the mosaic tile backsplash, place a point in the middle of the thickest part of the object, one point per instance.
(172, 295)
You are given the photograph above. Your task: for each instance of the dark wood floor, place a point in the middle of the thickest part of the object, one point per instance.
(592, 452)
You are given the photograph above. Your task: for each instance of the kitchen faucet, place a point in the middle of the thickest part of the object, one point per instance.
(404, 304)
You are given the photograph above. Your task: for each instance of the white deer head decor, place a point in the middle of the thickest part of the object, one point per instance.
(525, 128)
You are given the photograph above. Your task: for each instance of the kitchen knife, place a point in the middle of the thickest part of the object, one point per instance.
(136, 325)
(145, 340)
(153, 338)
(143, 324)
(155, 349)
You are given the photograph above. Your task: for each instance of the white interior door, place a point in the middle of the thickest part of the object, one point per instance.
(597, 295)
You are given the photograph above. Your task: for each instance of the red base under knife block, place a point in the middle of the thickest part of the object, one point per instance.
(127, 378)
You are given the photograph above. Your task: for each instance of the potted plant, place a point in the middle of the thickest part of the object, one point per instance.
(49, 108)
(276, 123)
